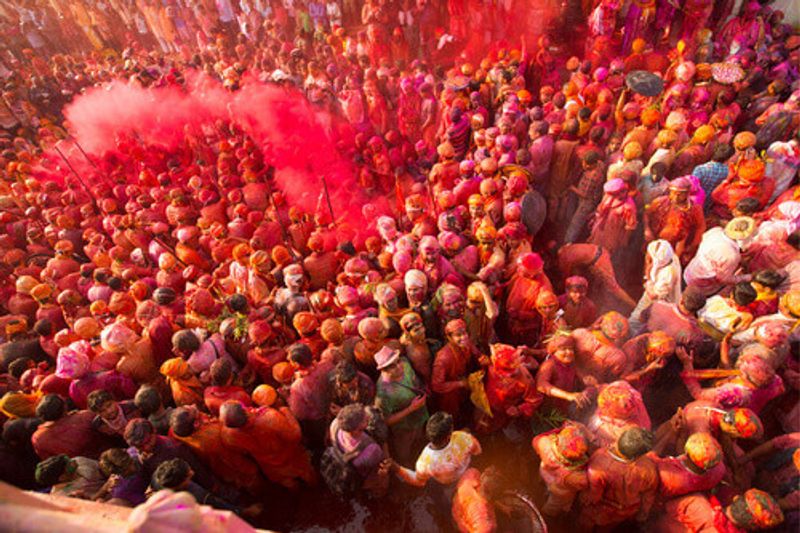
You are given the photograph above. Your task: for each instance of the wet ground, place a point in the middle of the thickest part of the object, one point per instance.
(407, 509)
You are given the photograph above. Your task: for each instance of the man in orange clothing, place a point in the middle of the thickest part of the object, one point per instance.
(676, 219)
(473, 509)
(623, 481)
(203, 435)
(451, 367)
(510, 389)
(271, 437)
(521, 295)
(563, 455)
(748, 181)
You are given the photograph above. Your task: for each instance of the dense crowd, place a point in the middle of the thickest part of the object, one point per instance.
(587, 246)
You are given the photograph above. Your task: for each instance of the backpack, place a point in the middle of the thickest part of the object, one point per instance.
(339, 475)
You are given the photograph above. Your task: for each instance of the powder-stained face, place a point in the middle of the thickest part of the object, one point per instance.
(430, 253)
(576, 294)
(565, 355)
(416, 295)
(459, 337)
(453, 305)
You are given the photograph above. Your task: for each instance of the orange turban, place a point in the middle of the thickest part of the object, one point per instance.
(280, 255)
(751, 171)
(241, 251)
(305, 323)
(264, 395)
(14, 326)
(703, 134)
(650, 116)
(283, 373)
(744, 140)
(87, 328)
(332, 331)
(614, 326)
(632, 150)
(41, 292)
(122, 303)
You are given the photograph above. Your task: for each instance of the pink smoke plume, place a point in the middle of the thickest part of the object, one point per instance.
(302, 142)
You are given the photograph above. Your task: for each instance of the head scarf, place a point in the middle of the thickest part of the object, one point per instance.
(416, 278)
(664, 258)
(73, 360)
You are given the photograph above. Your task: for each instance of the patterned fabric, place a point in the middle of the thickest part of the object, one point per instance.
(448, 464)
(710, 175)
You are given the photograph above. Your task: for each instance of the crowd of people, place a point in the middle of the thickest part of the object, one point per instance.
(588, 250)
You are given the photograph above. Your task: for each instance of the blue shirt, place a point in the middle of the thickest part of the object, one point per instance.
(710, 175)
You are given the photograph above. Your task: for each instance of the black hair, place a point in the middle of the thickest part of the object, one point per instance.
(597, 133)
(347, 248)
(138, 431)
(693, 300)
(171, 474)
(49, 471)
(182, 421)
(43, 327)
(97, 399)
(18, 431)
(722, 153)
(659, 168)
(635, 442)
(185, 341)
(744, 293)
(50, 407)
(300, 354)
(351, 417)
(794, 240)
(748, 206)
(232, 414)
(221, 372)
(164, 295)
(147, 400)
(345, 371)
(768, 278)
(237, 303)
(571, 127)
(439, 427)
(591, 158)
(115, 283)
(18, 367)
(115, 461)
